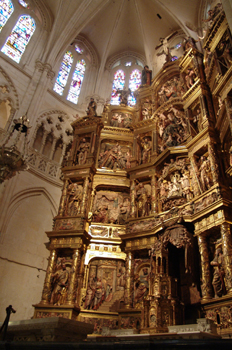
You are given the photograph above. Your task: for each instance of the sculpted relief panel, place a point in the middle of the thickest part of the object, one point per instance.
(114, 156)
(111, 207)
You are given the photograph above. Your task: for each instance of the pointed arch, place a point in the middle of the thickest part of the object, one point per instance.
(63, 74)
(6, 10)
(19, 38)
(77, 80)
(118, 83)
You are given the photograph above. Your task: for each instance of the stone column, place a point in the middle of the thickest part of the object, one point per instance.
(63, 153)
(132, 195)
(213, 163)
(128, 286)
(227, 254)
(206, 286)
(48, 277)
(53, 148)
(84, 199)
(63, 198)
(43, 141)
(153, 194)
(73, 279)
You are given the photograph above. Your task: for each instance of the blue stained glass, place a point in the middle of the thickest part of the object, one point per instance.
(6, 10)
(24, 3)
(177, 46)
(134, 83)
(118, 83)
(174, 58)
(63, 74)
(76, 83)
(80, 51)
(20, 36)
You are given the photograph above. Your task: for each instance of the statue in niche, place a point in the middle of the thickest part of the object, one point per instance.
(145, 144)
(75, 194)
(82, 151)
(190, 78)
(205, 173)
(146, 109)
(141, 285)
(143, 200)
(59, 284)
(197, 119)
(92, 108)
(219, 273)
(146, 76)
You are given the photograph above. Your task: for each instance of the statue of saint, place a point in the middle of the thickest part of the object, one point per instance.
(82, 151)
(92, 108)
(146, 149)
(218, 274)
(60, 280)
(146, 76)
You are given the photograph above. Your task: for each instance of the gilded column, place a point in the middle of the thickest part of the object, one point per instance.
(132, 195)
(213, 163)
(48, 277)
(43, 141)
(63, 198)
(91, 204)
(153, 194)
(81, 277)
(227, 254)
(73, 279)
(128, 286)
(206, 286)
(85, 189)
(194, 176)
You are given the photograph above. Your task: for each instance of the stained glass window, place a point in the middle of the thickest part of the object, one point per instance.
(134, 83)
(77, 80)
(24, 4)
(77, 48)
(177, 46)
(6, 10)
(174, 58)
(20, 36)
(118, 83)
(63, 74)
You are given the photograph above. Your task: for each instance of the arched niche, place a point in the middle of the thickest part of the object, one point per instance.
(48, 145)
(38, 139)
(58, 151)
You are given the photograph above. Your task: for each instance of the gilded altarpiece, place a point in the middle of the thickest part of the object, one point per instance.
(142, 238)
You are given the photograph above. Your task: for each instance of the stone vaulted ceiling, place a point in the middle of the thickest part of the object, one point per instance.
(115, 26)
